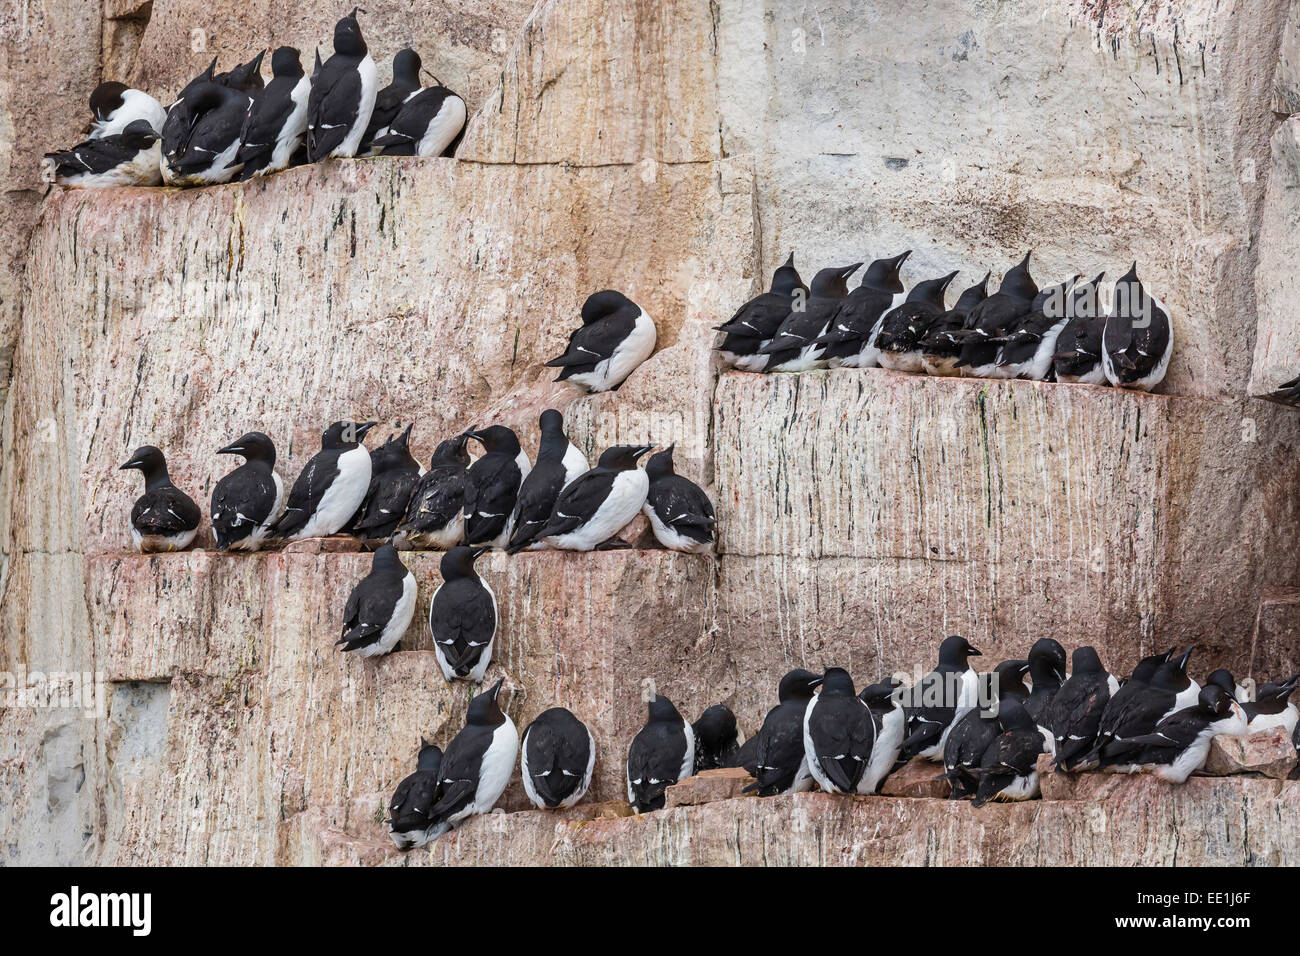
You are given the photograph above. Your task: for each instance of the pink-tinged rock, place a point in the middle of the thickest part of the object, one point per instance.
(916, 778)
(1268, 752)
(1142, 821)
(709, 786)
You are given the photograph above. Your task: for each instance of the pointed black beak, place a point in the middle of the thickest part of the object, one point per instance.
(1132, 273)
(900, 259)
(471, 432)
(235, 449)
(849, 270)
(789, 263)
(133, 463)
(947, 280)
(972, 652)
(642, 449)
(1024, 263)
(495, 691)
(363, 428)
(476, 552)
(1184, 658)
(815, 682)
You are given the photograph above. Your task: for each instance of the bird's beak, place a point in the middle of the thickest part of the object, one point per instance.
(474, 554)
(133, 463)
(235, 449)
(948, 279)
(496, 688)
(973, 652)
(900, 259)
(849, 270)
(1024, 263)
(363, 428)
(816, 682)
(1184, 658)
(471, 432)
(641, 450)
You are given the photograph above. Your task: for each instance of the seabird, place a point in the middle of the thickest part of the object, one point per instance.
(463, 617)
(661, 754)
(615, 337)
(681, 515)
(246, 502)
(342, 96)
(331, 486)
(164, 517)
(380, 607)
(557, 758)
(596, 506)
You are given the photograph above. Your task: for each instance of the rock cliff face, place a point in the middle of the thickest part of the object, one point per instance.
(676, 151)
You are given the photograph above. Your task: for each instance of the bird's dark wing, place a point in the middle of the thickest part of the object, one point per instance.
(412, 801)
(266, 117)
(802, 328)
(332, 106)
(856, 317)
(779, 751)
(386, 503)
(760, 317)
(537, 496)
(458, 774)
(388, 101)
(413, 119)
(307, 491)
(682, 505)
(438, 497)
(369, 608)
(241, 501)
(842, 735)
(557, 760)
(94, 156)
(165, 511)
(212, 134)
(655, 758)
(463, 620)
(592, 344)
(494, 485)
(579, 501)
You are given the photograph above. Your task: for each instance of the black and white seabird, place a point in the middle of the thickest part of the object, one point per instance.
(435, 515)
(406, 80)
(1028, 349)
(556, 760)
(973, 732)
(380, 607)
(277, 120)
(476, 765)
(939, 353)
(850, 340)
(681, 515)
(1272, 706)
(1139, 705)
(1074, 715)
(939, 699)
(780, 762)
(342, 96)
(559, 462)
(898, 343)
(1078, 347)
(662, 753)
(115, 106)
(331, 486)
(246, 502)
(1047, 671)
(615, 337)
(246, 76)
(429, 123)
(838, 734)
(494, 482)
(164, 517)
(463, 617)
(393, 476)
(597, 505)
(1009, 768)
(408, 811)
(757, 320)
(1180, 743)
(716, 738)
(795, 346)
(890, 723)
(1139, 336)
(206, 151)
(993, 318)
(129, 158)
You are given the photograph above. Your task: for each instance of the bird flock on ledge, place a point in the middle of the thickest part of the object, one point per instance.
(986, 730)
(1063, 333)
(234, 125)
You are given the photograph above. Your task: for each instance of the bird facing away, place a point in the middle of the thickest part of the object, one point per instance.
(1139, 336)
(393, 476)
(780, 763)
(716, 738)
(380, 607)
(661, 754)
(408, 811)
(463, 617)
(838, 734)
(681, 515)
(557, 758)
(435, 515)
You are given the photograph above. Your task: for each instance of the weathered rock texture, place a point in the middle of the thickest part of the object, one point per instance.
(1121, 821)
(677, 151)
